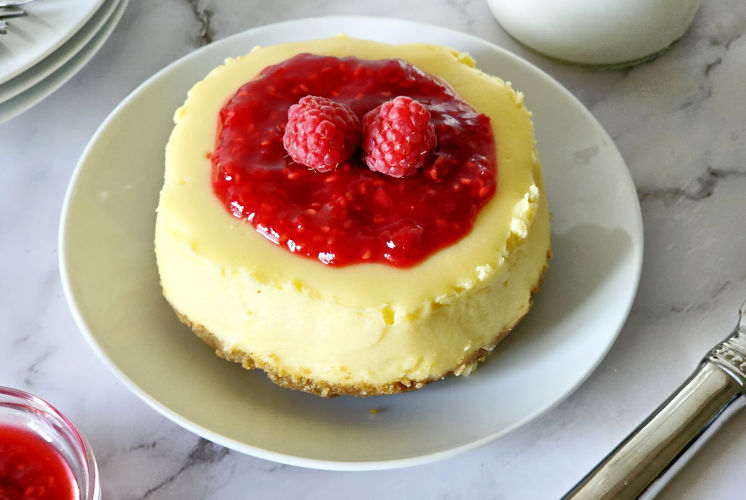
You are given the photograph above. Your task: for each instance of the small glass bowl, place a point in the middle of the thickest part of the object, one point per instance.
(31, 413)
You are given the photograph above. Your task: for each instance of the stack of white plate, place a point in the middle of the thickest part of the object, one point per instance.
(44, 49)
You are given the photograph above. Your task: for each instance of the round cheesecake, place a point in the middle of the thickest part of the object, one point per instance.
(362, 328)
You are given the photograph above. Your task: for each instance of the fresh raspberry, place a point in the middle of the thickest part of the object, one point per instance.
(398, 138)
(321, 133)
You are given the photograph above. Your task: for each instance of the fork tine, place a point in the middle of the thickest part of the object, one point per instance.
(14, 3)
(10, 13)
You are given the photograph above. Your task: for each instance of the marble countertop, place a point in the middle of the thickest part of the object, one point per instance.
(680, 124)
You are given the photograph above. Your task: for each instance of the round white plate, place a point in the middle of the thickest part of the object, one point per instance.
(111, 281)
(31, 95)
(48, 25)
(49, 64)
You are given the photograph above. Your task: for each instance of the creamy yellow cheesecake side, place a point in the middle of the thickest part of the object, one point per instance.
(365, 328)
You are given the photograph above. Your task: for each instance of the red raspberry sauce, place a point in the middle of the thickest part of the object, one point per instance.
(351, 215)
(30, 468)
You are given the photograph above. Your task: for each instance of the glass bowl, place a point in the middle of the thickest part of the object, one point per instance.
(29, 413)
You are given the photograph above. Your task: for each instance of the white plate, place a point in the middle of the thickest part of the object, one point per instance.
(48, 25)
(49, 64)
(111, 281)
(31, 95)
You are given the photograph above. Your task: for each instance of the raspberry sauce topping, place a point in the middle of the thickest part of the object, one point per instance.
(351, 214)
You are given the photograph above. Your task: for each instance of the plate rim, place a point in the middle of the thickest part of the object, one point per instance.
(315, 463)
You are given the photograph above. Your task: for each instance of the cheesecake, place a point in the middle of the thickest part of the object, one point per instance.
(349, 281)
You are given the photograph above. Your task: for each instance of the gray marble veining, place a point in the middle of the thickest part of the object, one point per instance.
(679, 122)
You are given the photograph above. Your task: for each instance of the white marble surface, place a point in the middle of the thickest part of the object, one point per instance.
(679, 122)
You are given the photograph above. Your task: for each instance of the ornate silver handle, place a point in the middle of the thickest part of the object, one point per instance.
(676, 428)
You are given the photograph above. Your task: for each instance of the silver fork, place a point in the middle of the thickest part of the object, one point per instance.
(4, 4)
(8, 10)
(9, 13)
(642, 463)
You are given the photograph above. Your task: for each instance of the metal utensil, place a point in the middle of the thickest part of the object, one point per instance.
(8, 10)
(13, 3)
(10, 13)
(680, 425)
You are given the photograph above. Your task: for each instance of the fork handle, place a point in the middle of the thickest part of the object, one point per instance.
(684, 420)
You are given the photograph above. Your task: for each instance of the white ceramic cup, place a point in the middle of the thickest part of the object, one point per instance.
(596, 32)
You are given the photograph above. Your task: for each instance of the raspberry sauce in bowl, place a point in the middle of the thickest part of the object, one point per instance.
(42, 455)
(352, 215)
